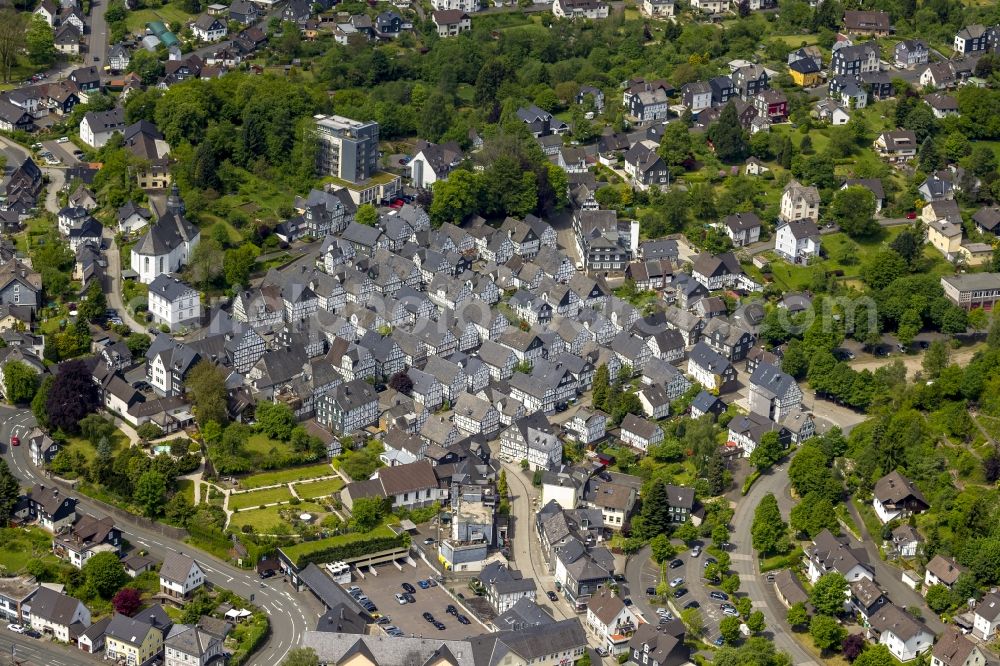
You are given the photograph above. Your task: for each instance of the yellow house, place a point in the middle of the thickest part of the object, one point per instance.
(133, 641)
(805, 72)
(946, 237)
(976, 254)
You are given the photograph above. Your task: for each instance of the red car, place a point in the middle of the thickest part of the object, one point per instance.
(15, 440)
(912, 215)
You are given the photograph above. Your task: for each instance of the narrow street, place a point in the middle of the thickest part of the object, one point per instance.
(112, 280)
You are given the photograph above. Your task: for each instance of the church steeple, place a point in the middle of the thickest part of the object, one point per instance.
(175, 204)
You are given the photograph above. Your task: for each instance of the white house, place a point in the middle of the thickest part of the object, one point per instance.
(797, 241)
(986, 617)
(173, 303)
(190, 646)
(58, 615)
(829, 553)
(131, 218)
(167, 245)
(208, 28)
(954, 649)
(586, 426)
(534, 439)
(905, 636)
(561, 487)
(433, 162)
(406, 486)
(98, 126)
(505, 586)
(180, 575)
(591, 9)
(640, 433)
(710, 368)
(895, 496)
(799, 202)
(942, 570)
(611, 622)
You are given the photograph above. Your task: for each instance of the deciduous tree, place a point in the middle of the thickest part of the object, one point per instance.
(20, 382)
(105, 574)
(149, 492)
(71, 396)
(829, 593)
(127, 601)
(206, 384)
(826, 632)
(769, 531)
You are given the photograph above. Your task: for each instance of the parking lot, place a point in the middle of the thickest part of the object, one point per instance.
(381, 589)
(697, 590)
(62, 152)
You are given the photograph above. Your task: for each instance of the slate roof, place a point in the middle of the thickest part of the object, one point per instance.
(176, 567)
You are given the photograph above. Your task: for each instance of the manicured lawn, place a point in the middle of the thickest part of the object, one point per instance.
(19, 546)
(267, 519)
(318, 488)
(118, 440)
(286, 476)
(137, 20)
(307, 547)
(258, 497)
(262, 444)
(798, 277)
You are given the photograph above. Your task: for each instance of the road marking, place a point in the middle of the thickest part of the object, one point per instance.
(749, 576)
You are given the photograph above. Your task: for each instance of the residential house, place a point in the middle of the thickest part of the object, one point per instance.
(173, 303)
(866, 598)
(98, 126)
(644, 165)
(873, 185)
(773, 393)
(797, 241)
(942, 570)
(433, 162)
(805, 72)
(611, 622)
(696, 96)
(799, 202)
(905, 636)
(167, 245)
(742, 228)
(131, 218)
(191, 646)
(750, 80)
(587, 426)
(711, 369)
(88, 537)
(646, 101)
(706, 403)
(986, 617)
(911, 53)
(534, 439)
(906, 541)
(855, 59)
(715, 272)
(134, 640)
(829, 553)
(895, 496)
(639, 433)
(208, 28)
(350, 407)
(15, 591)
(897, 146)
(974, 39)
(180, 576)
(53, 510)
(572, 9)
(58, 615)
(870, 23)
(505, 587)
(954, 649)
(942, 105)
(451, 22)
(659, 645)
(614, 500)
(541, 123)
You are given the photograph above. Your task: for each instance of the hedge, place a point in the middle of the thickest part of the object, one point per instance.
(345, 546)
(750, 481)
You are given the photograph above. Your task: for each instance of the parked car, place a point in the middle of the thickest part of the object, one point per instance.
(602, 652)
(423, 584)
(15, 440)
(410, 599)
(719, 642)
(463, 620)
(427, 616)
(721, 596)
(428, 541)
(731, 612)
(62, 139)
(692, 604)
(440, 626)
(676, 563)
(696, 551)
(16, 628)
(680, 592)
(409, 588)
(650, 591)
(451, 610)
(401, 599)
(677, 582)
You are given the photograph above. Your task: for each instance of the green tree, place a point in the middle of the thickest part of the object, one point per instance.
(675, 145)
(769, 531)
(731, 584)
(814, 514)
(883, 268)
(206, 385)
(829, 593)
(756, 651)
(149, 492)
(301, 657)
(729, 628)
(94, 302)
(104, 574)
(39, 407)
(826, 632)
(935, 359)
(20, 382)
(756, 622)
(275, 420)
(941, 598)
(10, 491)
(602, 383)
(768, 452)
(366, 513)
(206, 262)
(366, 215)
(876, 655)
(238, 263)
(853, 209)
(798, 616)
(662, 549)
(728, 136)
(40, 41)
(457, 197)
(693, 620)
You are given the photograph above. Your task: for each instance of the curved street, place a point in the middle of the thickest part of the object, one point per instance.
(290, 612)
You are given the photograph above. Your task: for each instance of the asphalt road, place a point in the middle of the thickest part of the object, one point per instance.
(112, 282)
(98, 43)
(744, 562)
(290, 612)
(23, 651)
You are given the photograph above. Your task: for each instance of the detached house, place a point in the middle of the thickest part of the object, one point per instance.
(53, 510)
(710, 369)
(98, 126)
(505, 586)
(895, 496)
(58, 615)
(773, 393)
(208, 28)
(611, 622)
(986, 617)
(954, 649)
(906, 637)
(911, 53)
(639, 433)
(742, 228)
(799, 202)
(797, 241)
(180, 575)
(942, 570)
(829, 553)
(974, 38)
(875, 24)
(897, 146)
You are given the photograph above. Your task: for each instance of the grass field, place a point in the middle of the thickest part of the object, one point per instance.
(137, 20)
(262, 444)
(286, 476)
(267, 519)
(118, 440)
(21, 546)
(186, 487)
(258, 497)
(318, 488)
